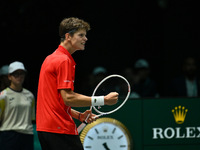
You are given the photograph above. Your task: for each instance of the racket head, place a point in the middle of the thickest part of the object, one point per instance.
(112, 83)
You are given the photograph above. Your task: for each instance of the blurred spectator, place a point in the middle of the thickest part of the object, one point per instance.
(128, 73)
(187, 84)
(143, 85)
(17, 110)
(4, 81)
(97, 75)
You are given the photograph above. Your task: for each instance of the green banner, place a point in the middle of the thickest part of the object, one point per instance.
(171, 122)
(159, 124)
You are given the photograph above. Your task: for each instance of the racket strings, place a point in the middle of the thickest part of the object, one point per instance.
(112, 85)
(120, 88)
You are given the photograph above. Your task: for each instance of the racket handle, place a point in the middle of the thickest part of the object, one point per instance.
(83, 124)
(80, 128)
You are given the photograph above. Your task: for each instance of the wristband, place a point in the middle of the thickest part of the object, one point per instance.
(97, 100)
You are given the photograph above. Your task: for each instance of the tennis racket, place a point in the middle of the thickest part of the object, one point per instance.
(111, 83)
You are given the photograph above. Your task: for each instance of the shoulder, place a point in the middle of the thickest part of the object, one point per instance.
(27, 92)
(58, 55)
(52, 63)
(3, 94)
(56, 59)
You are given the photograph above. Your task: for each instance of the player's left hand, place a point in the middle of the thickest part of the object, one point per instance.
(92, 117)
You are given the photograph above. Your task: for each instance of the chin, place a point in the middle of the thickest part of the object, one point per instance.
(83, 48)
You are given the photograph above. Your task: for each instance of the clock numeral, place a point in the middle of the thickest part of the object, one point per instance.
(90, 137)
(96, 131)
(120, 137)
(113, 130)
(122, 145)
(88, 146)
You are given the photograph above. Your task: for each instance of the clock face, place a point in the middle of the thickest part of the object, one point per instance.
(106, 134)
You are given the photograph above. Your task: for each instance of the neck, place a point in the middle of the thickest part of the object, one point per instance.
(16, 87)
(67, 47)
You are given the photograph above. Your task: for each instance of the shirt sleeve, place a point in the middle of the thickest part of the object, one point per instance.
(65, 75)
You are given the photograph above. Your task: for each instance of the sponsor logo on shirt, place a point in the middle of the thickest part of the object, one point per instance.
(68, 81)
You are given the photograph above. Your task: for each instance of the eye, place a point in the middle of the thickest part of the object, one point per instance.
(81, 35)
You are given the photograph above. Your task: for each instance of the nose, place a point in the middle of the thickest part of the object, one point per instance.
(85, 38)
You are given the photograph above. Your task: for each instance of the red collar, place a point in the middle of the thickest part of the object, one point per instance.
(65, 51)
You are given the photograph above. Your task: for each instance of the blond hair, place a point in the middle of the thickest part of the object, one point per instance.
(71, 25)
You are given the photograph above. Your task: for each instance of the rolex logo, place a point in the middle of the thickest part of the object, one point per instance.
(179, 114)
(177, 132)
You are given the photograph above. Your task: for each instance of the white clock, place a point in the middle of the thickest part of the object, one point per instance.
(106, 134)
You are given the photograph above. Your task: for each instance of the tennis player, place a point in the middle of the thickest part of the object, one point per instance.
(54, 117)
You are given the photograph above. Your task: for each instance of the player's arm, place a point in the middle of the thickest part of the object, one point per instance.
(78, 100)
(75, 114)
(74, 99)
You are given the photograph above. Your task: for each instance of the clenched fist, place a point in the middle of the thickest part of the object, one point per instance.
(111, 98)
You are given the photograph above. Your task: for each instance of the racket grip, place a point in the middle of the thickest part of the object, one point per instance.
(80, 128)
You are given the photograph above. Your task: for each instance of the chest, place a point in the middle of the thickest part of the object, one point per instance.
(18, 100)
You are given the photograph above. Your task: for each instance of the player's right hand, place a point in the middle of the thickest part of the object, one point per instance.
(111, 98)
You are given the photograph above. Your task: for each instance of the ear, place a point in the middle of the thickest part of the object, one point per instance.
(67, 36)
(9, 77)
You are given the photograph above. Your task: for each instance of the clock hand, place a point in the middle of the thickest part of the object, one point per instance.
(106, 146)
